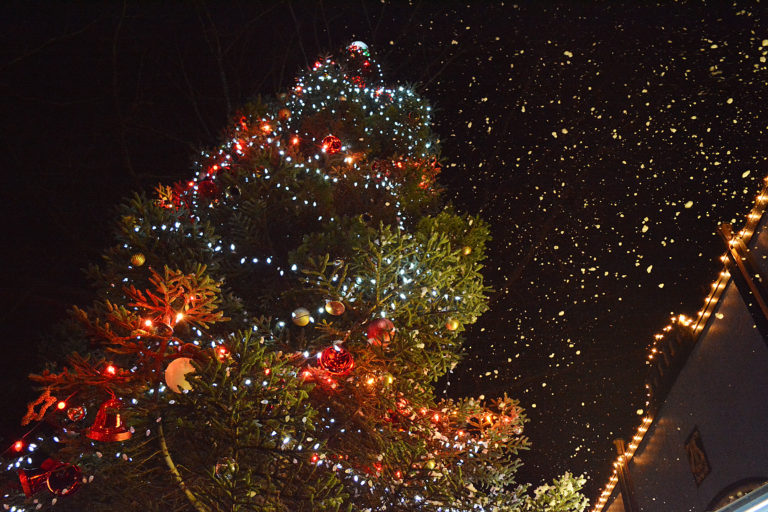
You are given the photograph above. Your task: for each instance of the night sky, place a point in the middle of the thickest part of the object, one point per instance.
(604, 142)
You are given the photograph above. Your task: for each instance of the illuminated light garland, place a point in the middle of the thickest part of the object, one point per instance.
(268, 133)
(696, 326)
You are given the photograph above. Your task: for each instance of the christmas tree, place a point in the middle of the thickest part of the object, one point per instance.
(268, 335)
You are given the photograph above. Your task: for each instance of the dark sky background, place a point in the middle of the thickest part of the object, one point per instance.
(603, 141)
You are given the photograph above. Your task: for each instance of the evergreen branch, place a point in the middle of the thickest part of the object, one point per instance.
(175, 472)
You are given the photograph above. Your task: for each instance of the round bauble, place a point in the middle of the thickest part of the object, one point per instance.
(466, 250)
(163, 329)
(76, 413)
(226, 468)
(430, 464)
(337, 361)
(331, 145)
(380, 331)
(300, 316)
(335, 307)
(138, 259)
(176, 372)
(452, 324)
(207, 189)
(359, 47)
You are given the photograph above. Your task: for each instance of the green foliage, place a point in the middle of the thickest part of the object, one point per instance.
(275, 221)
(256, 423)
(562, 495)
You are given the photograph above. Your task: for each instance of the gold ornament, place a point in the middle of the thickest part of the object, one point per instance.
(430, 464)
(300, 316)
(466, 250)
(138, 259)
(334, 307)
(452, 324)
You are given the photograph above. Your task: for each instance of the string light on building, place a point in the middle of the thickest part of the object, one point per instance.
(695, 326)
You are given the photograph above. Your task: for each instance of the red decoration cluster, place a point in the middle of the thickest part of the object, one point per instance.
(255, 135)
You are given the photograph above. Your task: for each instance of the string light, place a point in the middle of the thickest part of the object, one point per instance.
(259, 134)
(695, 327)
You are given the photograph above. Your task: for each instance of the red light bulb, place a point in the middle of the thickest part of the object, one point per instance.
(61, 405)
(18, 445)
(222, 353)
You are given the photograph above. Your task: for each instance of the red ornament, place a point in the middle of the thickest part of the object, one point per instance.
(380, 331)
(337, 361)
(108, 425)
(64, 480)
(76, 413)
(32, 480)
(331, 145)
(61, 478)
(208, 189)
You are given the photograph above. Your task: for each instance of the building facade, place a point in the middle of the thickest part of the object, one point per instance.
(704, 443)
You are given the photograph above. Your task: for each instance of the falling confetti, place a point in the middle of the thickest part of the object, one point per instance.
(603, 149)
